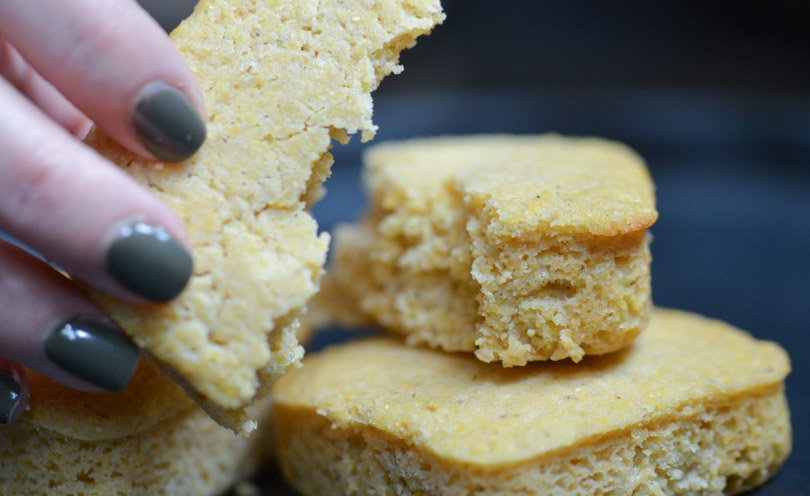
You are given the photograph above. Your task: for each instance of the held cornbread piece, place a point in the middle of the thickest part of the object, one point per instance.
(519, 248)
(281, 80)
(148, 440)
(693, 407)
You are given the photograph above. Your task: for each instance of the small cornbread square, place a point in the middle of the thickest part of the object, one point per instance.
(693, 407)
(519, 248)
(148, 440)
(281, 81)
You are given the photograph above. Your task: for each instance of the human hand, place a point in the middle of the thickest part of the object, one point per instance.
(63, 65)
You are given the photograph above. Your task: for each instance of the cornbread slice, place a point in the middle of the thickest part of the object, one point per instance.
(281, 80)
(149, 440)
(693, 407)
(519, 248)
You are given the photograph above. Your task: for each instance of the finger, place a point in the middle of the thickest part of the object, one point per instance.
(17, 71)
(117, 65)
(13, 391)
(50, 327)
(81, 212)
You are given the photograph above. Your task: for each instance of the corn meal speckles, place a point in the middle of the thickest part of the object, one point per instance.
(693, 407)
(149, 439)
(517, 248)
(149, 399)
(281, 80)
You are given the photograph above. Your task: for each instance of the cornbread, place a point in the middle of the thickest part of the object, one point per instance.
(281, 81)
(518, 248)
(693, 407)
(149, 440)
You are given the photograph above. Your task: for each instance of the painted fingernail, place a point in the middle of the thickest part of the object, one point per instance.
(10, 397)
(148, 261)
(167, 123)
(94, 352)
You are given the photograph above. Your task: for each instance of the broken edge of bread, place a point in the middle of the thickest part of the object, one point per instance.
(281, 81)
(516, 248)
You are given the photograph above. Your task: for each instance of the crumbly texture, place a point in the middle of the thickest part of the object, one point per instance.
(693, 407)
(148, 440)
(281, 80)
(518, 248)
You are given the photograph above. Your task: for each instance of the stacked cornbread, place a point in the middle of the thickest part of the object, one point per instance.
(528, 258)
(516, 248)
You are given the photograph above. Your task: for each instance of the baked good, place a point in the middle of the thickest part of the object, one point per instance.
(693, 407)
(519, 248)
(281, 81)
(150, 439)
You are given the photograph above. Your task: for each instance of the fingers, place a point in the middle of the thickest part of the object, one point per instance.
(50, 327)
(81, 212)
(17, 71)
(117, 65)
(13, 391)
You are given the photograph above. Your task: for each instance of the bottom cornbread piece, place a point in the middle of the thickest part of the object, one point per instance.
(693, 407)
(150, 439)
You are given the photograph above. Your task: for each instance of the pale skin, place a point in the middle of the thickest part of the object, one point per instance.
(65, 65)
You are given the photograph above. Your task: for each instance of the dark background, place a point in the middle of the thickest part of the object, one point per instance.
(714, 94)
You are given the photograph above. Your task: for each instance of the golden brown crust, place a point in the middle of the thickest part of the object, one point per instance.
(691, 392)
(527, 184)
(149, 399)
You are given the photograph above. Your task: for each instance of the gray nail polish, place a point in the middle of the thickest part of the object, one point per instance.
(149, 262)
(94, 352)
(167, 123)
(10, 396)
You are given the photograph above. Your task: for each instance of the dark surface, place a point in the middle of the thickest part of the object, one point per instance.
(733, 188)
(713, 94)
(751, 45)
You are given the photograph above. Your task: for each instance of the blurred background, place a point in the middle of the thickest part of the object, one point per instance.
(715, 95)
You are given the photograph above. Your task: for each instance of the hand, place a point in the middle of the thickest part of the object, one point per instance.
(63, 65)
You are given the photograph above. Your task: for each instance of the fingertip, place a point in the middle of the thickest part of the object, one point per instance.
(14, 391)
(123, 53)
(53, 329)
(93, 351)
(70, 204)
(167, 122)
(79, 127)
(148, 261)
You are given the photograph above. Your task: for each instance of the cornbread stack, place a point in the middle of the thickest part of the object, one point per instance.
(520, 252)
(516, 248)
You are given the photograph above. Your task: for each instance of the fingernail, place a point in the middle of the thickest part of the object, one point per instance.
(94, 352)
(10, 397)
(148, 261)
(167, 123)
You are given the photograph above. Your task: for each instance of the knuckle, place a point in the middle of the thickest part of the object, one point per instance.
(36, 188)
(94, 36)
(13, 67)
